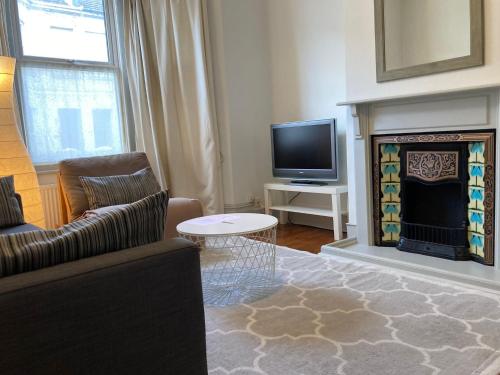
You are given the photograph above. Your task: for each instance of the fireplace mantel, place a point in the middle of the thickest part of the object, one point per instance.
(469, 110)
(427, 94)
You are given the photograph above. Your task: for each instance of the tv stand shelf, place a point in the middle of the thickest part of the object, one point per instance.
(334, 191)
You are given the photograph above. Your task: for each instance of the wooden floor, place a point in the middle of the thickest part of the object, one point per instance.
(302, 237)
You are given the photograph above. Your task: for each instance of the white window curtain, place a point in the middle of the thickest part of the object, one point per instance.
(168, 66)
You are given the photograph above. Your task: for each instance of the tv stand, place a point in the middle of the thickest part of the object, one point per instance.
(308, 183)
(335, 211)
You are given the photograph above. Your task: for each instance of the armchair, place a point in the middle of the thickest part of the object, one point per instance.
(75, 203)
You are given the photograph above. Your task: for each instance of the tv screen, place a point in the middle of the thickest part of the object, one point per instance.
(305, 150)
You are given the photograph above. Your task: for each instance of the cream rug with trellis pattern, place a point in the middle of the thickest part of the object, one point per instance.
(329, 315)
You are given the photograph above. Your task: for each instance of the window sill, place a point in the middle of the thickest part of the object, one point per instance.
(42, 169)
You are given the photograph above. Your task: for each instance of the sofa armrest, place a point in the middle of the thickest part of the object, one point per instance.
(179, 210)
(135, 311)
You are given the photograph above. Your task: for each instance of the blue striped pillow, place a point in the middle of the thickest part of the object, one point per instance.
(123, 189)
(10, 210)
(132, 225)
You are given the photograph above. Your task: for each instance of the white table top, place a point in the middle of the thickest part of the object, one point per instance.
(227, 224)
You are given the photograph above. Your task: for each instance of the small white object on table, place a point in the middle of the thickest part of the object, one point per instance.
(238, 254)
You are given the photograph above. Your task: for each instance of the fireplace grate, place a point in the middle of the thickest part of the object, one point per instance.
(434, 234)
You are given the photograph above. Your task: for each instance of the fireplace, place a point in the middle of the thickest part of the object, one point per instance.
(433, 194)
(434, 199)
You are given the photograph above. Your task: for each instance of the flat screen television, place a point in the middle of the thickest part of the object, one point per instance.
(305, 150)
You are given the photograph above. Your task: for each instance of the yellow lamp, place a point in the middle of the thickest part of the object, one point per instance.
(14, 158)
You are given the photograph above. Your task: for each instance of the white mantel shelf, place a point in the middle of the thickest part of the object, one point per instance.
(417, 95)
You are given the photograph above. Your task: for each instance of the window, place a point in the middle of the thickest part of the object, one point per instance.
(68, 78)
(103, 136)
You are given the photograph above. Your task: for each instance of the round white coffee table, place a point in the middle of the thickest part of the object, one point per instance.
(237, 257)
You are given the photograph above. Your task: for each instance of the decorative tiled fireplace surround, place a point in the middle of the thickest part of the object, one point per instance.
(432, 167)
(469, 117)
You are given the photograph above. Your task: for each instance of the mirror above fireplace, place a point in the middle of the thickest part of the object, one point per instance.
(420, 37)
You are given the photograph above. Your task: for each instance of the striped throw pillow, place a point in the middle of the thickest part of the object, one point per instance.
(132, 225)
(10, 211)
(122, 189)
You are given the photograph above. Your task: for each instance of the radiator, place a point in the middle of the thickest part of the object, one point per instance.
(51, 206)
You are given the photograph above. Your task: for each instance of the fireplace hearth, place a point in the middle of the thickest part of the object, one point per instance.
(434, 200)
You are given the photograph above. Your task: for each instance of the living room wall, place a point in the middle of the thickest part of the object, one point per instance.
(308, 73)
(242, 75)
(360, 58)
(274, 61)
(308, 62)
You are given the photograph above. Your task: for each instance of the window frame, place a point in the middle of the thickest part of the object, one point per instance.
(114, 64)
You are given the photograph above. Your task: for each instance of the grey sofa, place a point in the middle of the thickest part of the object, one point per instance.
(135, 311)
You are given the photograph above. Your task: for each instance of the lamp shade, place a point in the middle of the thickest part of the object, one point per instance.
(14, 157)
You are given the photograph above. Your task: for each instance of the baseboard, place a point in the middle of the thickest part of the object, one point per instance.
(248, 207)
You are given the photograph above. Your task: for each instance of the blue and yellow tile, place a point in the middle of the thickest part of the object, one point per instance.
(389, 152)
(476, 243)
(391, 211)
(475, 212)
(476, 198)
(390, 192)
(390, 231)
(476, 221)
(390, 202)
(476, 152)
(390, 171)
(476, 174)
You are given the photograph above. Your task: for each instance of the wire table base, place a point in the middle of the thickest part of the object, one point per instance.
(237, 269)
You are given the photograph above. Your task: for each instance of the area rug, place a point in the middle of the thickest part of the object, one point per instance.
(329, 315)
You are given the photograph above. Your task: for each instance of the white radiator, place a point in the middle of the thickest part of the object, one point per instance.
(51, 206)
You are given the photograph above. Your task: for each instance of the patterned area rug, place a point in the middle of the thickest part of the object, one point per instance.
(329, 315)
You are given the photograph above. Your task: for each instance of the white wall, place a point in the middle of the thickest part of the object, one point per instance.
(307, 59)
(308, 72)
(242, 75)
(360, 58)
(274, 61)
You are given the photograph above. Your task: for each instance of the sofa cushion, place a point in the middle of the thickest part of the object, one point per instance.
(70, 170)
(19, 229)
(179, 210)
(10, 210)
(132, 225)
(113, 190)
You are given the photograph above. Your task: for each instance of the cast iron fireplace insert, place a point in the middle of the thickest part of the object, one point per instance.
(434, 199)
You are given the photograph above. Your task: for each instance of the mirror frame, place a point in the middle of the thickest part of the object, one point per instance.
(475, 58)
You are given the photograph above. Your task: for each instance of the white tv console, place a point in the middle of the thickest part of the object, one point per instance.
(334, 191)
